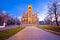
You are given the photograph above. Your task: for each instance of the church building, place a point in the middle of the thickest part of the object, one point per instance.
(29, 17)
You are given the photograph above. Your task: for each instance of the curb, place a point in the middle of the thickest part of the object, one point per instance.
(57, 33)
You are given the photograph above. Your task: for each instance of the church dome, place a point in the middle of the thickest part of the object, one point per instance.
(29, 6)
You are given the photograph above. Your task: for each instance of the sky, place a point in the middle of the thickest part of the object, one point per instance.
(15, 8)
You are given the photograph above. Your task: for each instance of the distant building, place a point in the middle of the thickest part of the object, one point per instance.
(29, 17)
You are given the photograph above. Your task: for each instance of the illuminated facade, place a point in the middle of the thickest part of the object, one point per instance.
(29, 17)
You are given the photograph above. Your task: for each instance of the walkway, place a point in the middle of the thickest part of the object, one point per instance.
(33, 33)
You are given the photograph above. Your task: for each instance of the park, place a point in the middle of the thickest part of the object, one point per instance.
(30, 20)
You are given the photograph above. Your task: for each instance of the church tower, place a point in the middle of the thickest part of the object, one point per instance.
(29, 14)
(29, 17)
(29, 11)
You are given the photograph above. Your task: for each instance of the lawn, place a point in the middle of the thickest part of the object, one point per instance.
(4, 34)
(53, 28)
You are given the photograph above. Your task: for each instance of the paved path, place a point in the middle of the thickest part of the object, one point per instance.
(33, 33)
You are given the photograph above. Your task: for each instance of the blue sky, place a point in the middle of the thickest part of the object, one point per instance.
(16, 7)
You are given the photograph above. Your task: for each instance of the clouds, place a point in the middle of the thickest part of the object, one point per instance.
(20, 18)
(3, 11)
(42, 14)
(16, 7)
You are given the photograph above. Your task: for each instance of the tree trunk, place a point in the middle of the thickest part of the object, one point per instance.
(56, 18)
(57, 22)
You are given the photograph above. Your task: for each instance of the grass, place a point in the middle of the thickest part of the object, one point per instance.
(4, 34)
(53, 28)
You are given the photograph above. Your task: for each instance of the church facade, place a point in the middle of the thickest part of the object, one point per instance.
(29, 17)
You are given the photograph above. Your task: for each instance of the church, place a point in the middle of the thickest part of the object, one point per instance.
(29, 17)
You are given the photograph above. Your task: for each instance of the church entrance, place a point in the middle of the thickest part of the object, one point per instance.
(29, 22)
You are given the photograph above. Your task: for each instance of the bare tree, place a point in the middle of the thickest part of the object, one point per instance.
(53, 10)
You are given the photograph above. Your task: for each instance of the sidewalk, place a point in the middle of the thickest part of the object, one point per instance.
(33, 33)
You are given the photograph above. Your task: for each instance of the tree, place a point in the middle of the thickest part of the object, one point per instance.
(47, 20)
(53, 9)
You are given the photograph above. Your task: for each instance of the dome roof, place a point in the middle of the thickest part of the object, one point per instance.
(29, 5)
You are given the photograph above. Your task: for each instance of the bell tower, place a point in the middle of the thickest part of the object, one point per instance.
(29, 14)
(29, 11)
